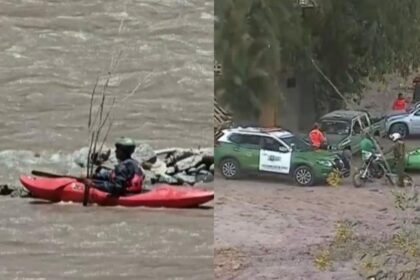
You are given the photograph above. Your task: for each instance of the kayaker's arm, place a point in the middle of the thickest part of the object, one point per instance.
(117, 183)
(103, 174)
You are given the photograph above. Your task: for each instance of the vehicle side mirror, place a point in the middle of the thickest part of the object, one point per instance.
(283, 149)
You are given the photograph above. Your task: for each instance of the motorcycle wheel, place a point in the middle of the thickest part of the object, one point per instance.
(378, 173)
(358, 182)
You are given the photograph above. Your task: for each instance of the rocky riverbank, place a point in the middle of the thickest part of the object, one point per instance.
(175, 166)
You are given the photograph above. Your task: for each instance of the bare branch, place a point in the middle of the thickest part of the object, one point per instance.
(88, 173)
(106, 134)
(132, 92)
(91, 103)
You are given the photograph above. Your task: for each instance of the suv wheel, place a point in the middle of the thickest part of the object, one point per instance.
(400, 128)
(304, 176)
(230, 168)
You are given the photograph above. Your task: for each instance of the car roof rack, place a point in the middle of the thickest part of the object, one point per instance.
(272, 129)
(258, 129)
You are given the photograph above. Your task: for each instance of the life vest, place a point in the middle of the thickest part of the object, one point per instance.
(135, 184)
(316, 137)
(399, 105)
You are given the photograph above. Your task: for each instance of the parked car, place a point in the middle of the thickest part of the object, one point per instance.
(406, 124)
(343, 129)
(275, 151)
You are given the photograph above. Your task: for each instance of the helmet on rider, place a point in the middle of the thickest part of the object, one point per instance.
(395, 136)
(124, 147)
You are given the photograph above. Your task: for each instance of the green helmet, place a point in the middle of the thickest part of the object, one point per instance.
(126, 144)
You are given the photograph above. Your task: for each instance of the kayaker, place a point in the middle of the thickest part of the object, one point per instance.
(126, 177)
(316, 137)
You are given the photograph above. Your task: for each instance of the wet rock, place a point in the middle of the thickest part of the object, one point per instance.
(144, 152)
(192, 171)
(188, 162)
(80, 157)
(20, 192)
(149, 178)
(159, 167)
(5, 190)
(204, 176)
(185, 178)
(176, 156)
(165, 151)
(171, 170)
(14, 191)
(171, 180)
(208, 160)
(201, 167)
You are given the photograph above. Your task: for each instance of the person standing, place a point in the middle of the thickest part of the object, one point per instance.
(398, 150)
(400, 103)
(316, 136)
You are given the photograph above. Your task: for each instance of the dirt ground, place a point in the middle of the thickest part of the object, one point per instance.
(265, 228)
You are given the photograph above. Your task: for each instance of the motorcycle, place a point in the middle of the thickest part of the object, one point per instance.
(375, 168)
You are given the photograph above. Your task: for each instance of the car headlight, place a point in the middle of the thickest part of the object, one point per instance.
(326, 163)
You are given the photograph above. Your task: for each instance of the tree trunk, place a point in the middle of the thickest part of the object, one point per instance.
(268, 114)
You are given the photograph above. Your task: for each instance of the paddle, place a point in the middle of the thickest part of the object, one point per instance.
(86, 194)
(52, 175)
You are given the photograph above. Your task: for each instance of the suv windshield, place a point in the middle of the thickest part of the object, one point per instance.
(335, 127)
(298, 144)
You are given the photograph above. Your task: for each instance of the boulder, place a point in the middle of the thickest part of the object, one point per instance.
(178, 155)
(185, 178)
(188, 162)
(202, 166)
(171, 180)
(159, 167)
(204, 176)
(171, 170)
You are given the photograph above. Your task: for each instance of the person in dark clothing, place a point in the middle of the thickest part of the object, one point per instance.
(398, 150)
(126, 177)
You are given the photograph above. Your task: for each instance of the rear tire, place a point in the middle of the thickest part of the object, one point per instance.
(230, 168)
(400, 128)
(358, 182)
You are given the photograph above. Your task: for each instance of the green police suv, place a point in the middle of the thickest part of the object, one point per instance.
(275, 151)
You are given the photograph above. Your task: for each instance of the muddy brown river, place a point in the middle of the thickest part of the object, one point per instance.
(51, 53)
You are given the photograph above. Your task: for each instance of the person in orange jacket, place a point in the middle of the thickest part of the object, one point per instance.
(316, 136)
(399, 104)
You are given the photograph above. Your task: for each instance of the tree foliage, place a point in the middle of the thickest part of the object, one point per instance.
(259, 42)
(249, 38)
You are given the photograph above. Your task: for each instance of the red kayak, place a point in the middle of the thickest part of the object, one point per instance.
(69, 189)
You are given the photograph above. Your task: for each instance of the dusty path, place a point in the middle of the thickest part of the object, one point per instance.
(264, 229)
(275, 226)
